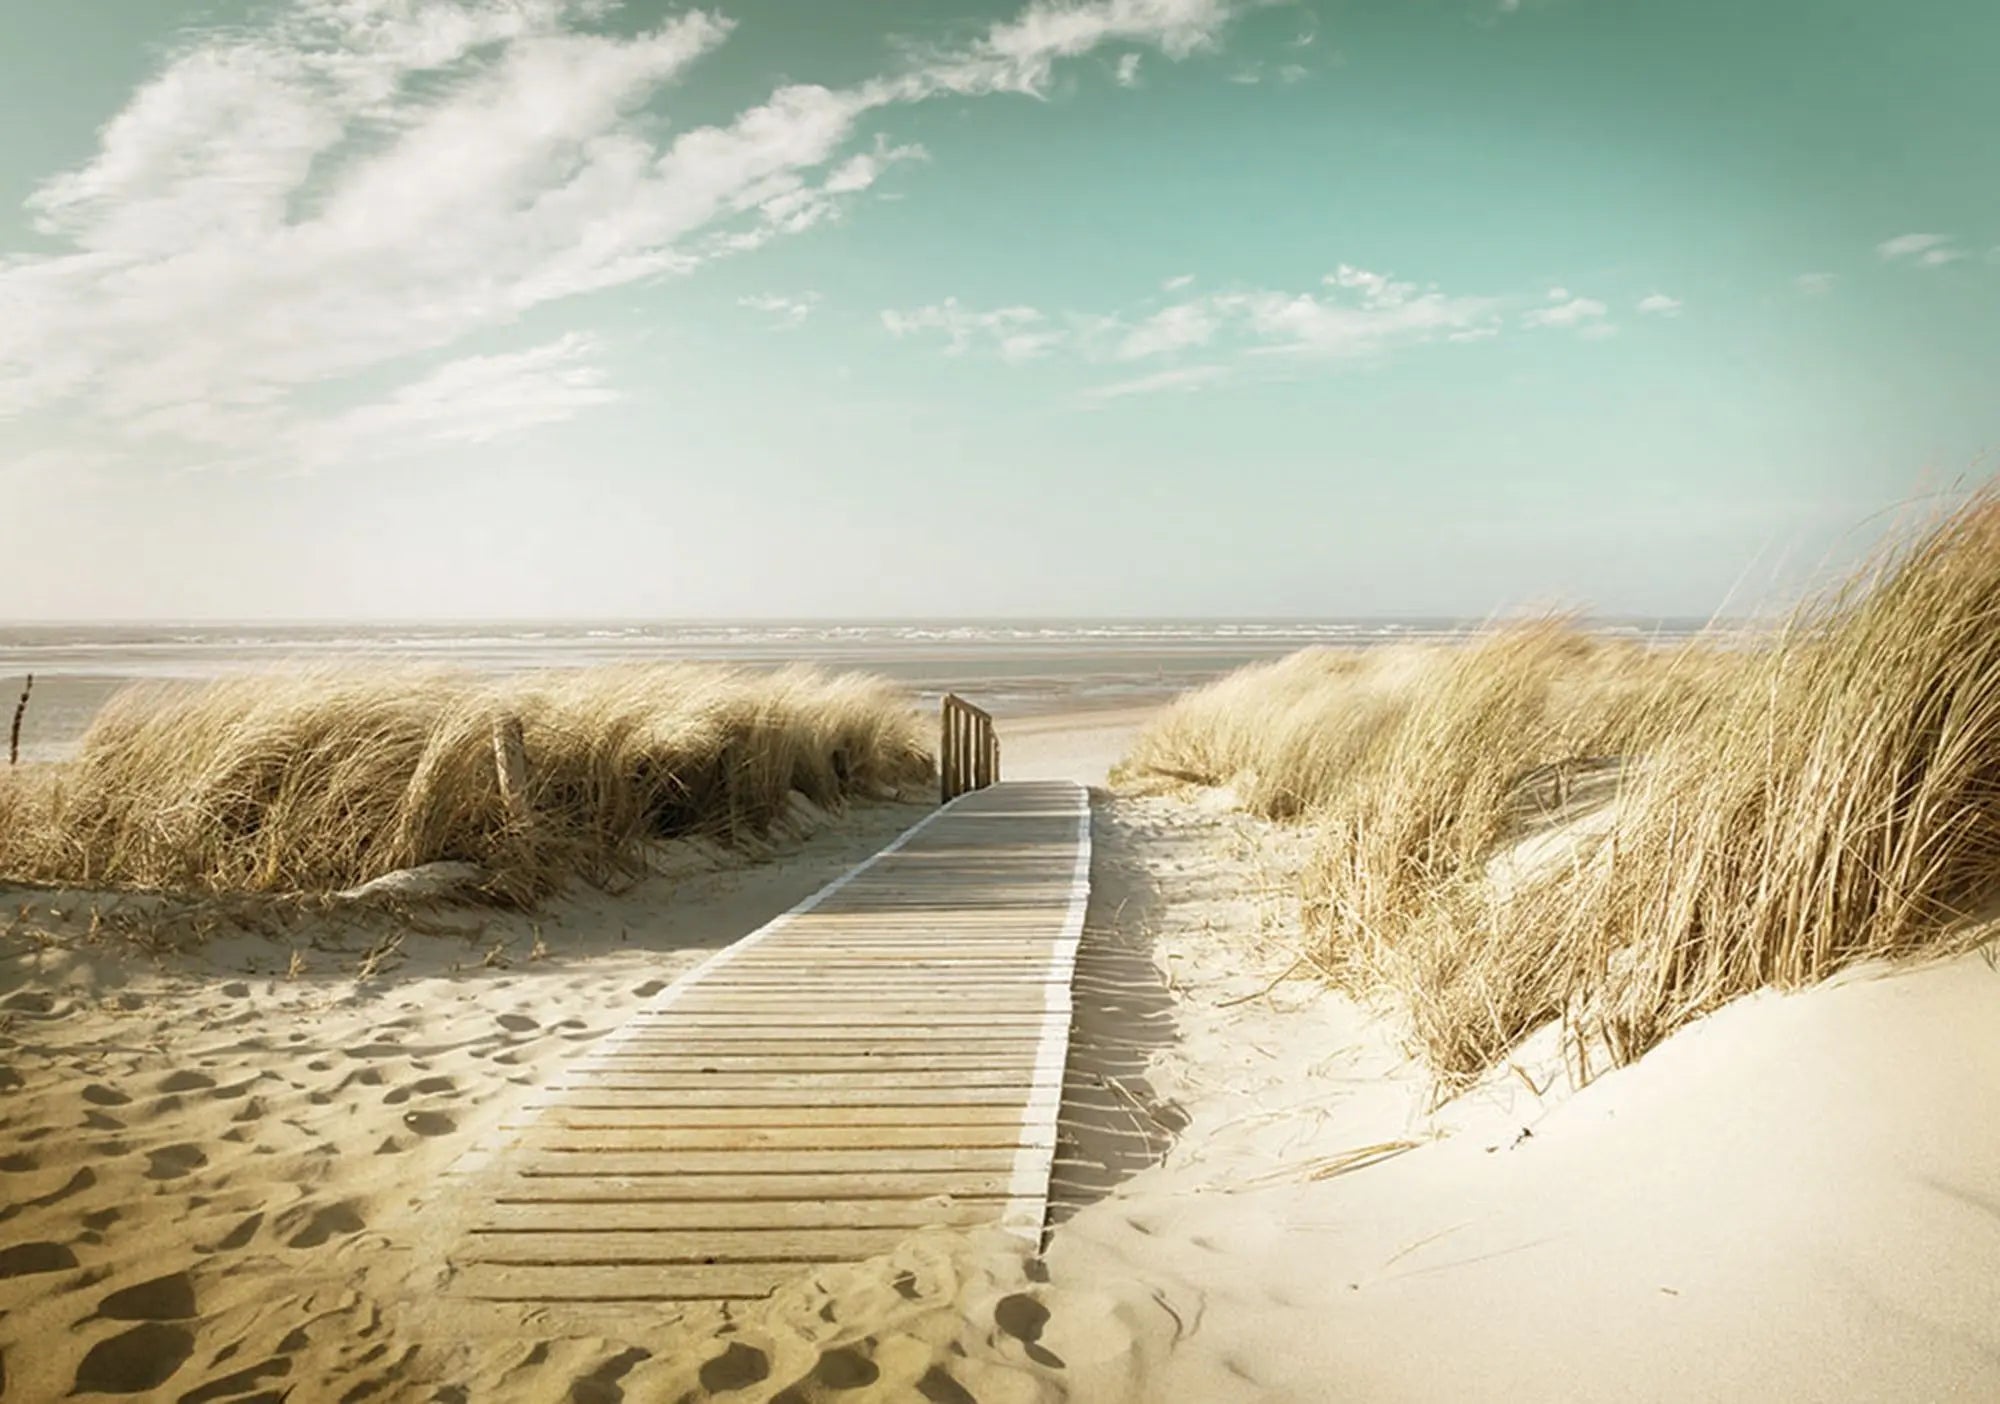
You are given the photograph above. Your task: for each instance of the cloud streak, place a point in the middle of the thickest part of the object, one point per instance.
(1925, 250)
(1354, 313)
(358, 183)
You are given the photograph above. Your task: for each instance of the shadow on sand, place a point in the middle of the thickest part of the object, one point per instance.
(1112, 1125)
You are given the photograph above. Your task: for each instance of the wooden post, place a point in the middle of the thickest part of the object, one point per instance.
(510, 763)
(965, 785)
(20, 710)
(944, 749)
(968, 749)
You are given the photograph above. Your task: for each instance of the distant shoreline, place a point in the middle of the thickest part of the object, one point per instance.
(1013, 668)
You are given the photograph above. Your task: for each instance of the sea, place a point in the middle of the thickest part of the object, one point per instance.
(1014, 667)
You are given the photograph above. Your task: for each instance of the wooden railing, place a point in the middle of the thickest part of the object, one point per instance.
(969, 753)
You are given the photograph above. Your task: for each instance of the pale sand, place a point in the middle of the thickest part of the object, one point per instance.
(214, 1172)
(1079, 746)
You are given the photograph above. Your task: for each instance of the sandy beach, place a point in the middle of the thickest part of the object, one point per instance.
(225, 1166)
(1004, 702)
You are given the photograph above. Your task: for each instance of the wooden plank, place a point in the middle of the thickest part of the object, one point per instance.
(938, 1012)
(888, 1055)
(778, 1097)
(506, 1282)
(623, 1113)
(869, 1060)
(836, 1019)
(645, 1079)
(614, 1182)
(677, 1247)
(921, 1136)
(751, 1044)
(535, 1162)
(903, 1215)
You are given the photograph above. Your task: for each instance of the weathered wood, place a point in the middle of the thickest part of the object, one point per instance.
(825, 1137)
(572, 1247)
(649, 1079)
(945, 746)
(968, 749)
(510, 1282)
(20, 711)
(762, 1215)
(887, 1057)
(510, 763)
(671, 1116)
(777, 1097)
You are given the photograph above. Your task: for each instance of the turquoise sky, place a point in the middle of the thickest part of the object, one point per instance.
(389, 308)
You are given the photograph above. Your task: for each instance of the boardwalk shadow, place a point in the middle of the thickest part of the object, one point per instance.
(1112, 1124)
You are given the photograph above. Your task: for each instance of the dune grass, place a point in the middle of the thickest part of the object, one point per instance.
(322, 779)
(1765, 812)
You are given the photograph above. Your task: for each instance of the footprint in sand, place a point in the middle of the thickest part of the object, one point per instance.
(600, 1386)
(649, 989)
(429, 1123)
(516, 1023)
(427, 1086)
(187, 1080)
(172, 1162)
(1023, 1318)
(142, 1358)
(239, 1236)
(26, 1259)
(332, 1221)
(169, 1298)
(82, 1180)
(844, 1368)
(940, 1388)
(97, 1094)
(19, 1163)
(738, 1367)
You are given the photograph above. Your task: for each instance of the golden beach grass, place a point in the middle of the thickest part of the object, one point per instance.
(1767, 812)
(321, 779)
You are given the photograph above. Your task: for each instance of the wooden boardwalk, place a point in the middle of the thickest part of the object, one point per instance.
(885, 1057)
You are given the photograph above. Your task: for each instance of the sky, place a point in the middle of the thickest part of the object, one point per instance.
(889, 308)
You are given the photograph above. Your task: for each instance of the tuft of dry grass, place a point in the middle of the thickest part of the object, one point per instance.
(1538, 825)
(1843, 805)
(323, 779)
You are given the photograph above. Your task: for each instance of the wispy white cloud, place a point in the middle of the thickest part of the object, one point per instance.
(1016, 333)
(1929, 250)
(350, 184)
(1177, 282)
(1813, 284)
(1660, 305)
(1252, 73)
(1126, 74)
(474, 400)
(1182, 379)
(1361, 313)
(788, 310)
(1355, 313)
(1171, 329)
(1565, 310)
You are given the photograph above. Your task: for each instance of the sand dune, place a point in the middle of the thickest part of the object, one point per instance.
(226, 1182)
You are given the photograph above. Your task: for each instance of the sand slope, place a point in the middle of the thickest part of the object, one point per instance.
(1798, 1198)
(224, 1183)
